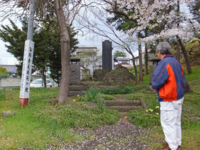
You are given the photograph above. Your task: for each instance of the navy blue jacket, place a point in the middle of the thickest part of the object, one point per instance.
(168, 79)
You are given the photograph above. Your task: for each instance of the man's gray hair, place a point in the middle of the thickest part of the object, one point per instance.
(164, 48)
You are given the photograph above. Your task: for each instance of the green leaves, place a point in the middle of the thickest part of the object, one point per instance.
(119, 54)
(47, 49)
(3, 72)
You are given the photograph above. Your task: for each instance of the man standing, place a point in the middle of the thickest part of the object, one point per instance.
(169, 83)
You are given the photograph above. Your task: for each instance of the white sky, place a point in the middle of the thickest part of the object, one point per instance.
(82, 40)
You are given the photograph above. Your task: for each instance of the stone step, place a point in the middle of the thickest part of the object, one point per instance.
(75, 93)
(122, 103)
(124, 108)
(107, 87)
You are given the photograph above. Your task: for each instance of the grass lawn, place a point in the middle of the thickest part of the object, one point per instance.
(151, 121)
(41, 124)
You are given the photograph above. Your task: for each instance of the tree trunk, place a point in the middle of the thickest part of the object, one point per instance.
(146, 60)
(178, 52)
(140, 60)
(44, 79)
(146, 57)
(189, 69)
(133, 60)
(65, 53)
(178, 45)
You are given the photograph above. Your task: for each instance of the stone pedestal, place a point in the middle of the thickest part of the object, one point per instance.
(23, 102)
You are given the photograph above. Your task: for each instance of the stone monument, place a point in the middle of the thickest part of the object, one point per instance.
(75, 71)
(107, 55)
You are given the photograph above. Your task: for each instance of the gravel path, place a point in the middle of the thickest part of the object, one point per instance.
(123, 136)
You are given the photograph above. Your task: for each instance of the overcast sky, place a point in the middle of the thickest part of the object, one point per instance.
(82, 40)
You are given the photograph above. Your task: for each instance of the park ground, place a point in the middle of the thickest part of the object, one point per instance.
(72, 125)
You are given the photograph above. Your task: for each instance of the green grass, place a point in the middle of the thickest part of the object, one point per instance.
(190, 113)
(195, 73)
(96, 95)
(41, 123)
(107, 97)
(135, 96)
(76, 115)
(2, 94)
(143, 118)
(132, 70)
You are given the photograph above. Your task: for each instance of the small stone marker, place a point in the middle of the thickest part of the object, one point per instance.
(8, 113)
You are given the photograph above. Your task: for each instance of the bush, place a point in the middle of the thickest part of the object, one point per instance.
(107, 97)
(91, 96)
(125, 90)
(3, 72)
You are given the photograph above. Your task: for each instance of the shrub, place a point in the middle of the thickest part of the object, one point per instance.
(91, 95)
(125, 90)
(107, 97)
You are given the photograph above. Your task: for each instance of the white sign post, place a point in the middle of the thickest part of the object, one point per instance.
(26, 73)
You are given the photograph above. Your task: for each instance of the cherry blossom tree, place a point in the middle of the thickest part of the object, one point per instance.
(157, 11)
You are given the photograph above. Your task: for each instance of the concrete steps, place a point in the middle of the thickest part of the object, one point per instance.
(124, 108)
(75, 90)
(123, 105)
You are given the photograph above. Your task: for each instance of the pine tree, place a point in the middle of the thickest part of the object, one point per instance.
(119, 54)
(46, 50)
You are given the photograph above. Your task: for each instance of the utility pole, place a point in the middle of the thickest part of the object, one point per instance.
(27, 60)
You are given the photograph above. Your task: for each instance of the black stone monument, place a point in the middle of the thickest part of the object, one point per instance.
(107, 55)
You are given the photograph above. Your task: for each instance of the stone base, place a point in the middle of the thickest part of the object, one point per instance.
(23, 101)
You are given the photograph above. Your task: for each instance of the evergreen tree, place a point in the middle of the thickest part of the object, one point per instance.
(195, 9)
(119, 54)
(3, 72)
(55, 48)
(46, 50)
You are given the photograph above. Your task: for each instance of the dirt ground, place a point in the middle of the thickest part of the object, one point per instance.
(123, 136)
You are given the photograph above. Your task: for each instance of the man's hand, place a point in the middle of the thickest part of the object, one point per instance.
(156, 91)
